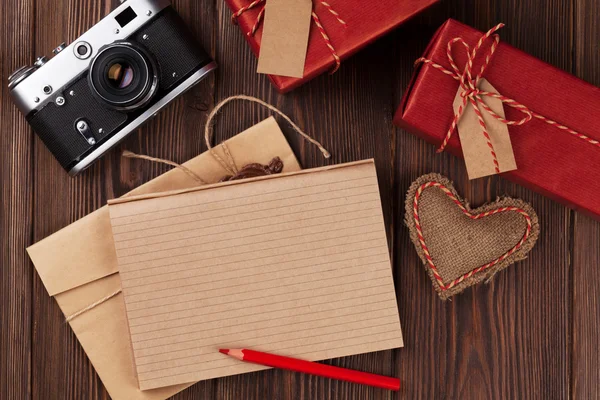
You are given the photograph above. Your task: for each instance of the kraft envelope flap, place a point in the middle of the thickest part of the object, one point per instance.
(84, 251)
(155, 195)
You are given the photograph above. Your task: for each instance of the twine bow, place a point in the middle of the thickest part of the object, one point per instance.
(315, 18)
(473, 95)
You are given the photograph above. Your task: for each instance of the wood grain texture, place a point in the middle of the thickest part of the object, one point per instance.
(585, 330)
(532, 333)
(54, 344)
(16, 145)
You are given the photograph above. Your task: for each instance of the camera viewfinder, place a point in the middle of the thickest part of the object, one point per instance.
(126, 16)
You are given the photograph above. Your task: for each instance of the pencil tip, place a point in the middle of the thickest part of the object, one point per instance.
(224, 351)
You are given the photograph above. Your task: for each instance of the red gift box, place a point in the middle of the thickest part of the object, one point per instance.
(551, 160)
(365, 22)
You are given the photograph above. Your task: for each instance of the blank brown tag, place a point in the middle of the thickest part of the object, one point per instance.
(477, 153)
(285, 37)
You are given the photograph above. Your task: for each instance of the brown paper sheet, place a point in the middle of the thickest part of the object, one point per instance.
(296, 264)
(78, 264)
(478, 159)
(285, 37)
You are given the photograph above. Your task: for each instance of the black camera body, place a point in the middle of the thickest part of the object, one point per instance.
(110, 81)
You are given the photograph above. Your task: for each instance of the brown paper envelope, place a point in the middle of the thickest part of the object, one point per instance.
(78, 264)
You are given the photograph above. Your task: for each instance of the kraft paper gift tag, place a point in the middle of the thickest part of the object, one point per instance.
(78, 265)
(477, 153)
(285, 37)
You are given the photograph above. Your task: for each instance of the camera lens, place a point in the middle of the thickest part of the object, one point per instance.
(123, 76)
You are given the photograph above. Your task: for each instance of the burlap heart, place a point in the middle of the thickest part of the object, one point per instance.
(459, 246)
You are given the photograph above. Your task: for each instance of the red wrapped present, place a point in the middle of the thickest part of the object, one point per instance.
(552, 116)
(338, 30)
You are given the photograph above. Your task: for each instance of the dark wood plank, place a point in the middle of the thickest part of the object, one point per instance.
(507, 339)
(173, 135)
(54, 344)
(585, 374)
(16, 143)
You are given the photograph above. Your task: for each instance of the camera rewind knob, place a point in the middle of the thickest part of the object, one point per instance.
(18, 72)
(59, 48)
(40, 61)
(19, 75)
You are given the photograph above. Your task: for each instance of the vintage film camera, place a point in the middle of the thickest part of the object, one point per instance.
(108, 82)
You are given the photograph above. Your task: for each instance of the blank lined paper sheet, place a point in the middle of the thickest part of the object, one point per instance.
(295, 264)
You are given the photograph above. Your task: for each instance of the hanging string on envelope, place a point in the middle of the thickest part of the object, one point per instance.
(208, 131)
(96, 303)
(130, 154)
(229, 165)
(471, 93)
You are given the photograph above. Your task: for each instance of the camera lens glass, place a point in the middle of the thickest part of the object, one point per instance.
(120, 75)
(124, 76)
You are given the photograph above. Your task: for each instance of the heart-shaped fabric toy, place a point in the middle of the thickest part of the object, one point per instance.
(460, 246)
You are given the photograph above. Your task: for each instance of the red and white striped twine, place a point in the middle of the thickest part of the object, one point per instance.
(327, 42)
(242, 10)
(315, 18)
(335, 14)
(471, 94)
(436, 274)
(259, 18)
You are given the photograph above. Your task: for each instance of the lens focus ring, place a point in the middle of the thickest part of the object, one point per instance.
(123, 76)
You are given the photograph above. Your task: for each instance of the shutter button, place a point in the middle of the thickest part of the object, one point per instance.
(59, 48)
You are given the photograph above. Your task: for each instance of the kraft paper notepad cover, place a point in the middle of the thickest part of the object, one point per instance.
(295, 264)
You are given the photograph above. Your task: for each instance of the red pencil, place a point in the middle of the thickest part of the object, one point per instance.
(327, 371)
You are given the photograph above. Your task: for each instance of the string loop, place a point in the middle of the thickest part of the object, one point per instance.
(130, 154)
(208, 130)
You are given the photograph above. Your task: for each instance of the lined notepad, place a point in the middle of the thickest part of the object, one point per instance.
(294, 264)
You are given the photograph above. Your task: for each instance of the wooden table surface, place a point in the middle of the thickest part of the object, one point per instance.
(531, 334)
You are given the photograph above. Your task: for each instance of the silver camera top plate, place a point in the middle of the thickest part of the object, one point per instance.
(32, 92)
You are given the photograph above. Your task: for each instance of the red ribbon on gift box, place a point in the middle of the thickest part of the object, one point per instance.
(315, 18)
(471, 93)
